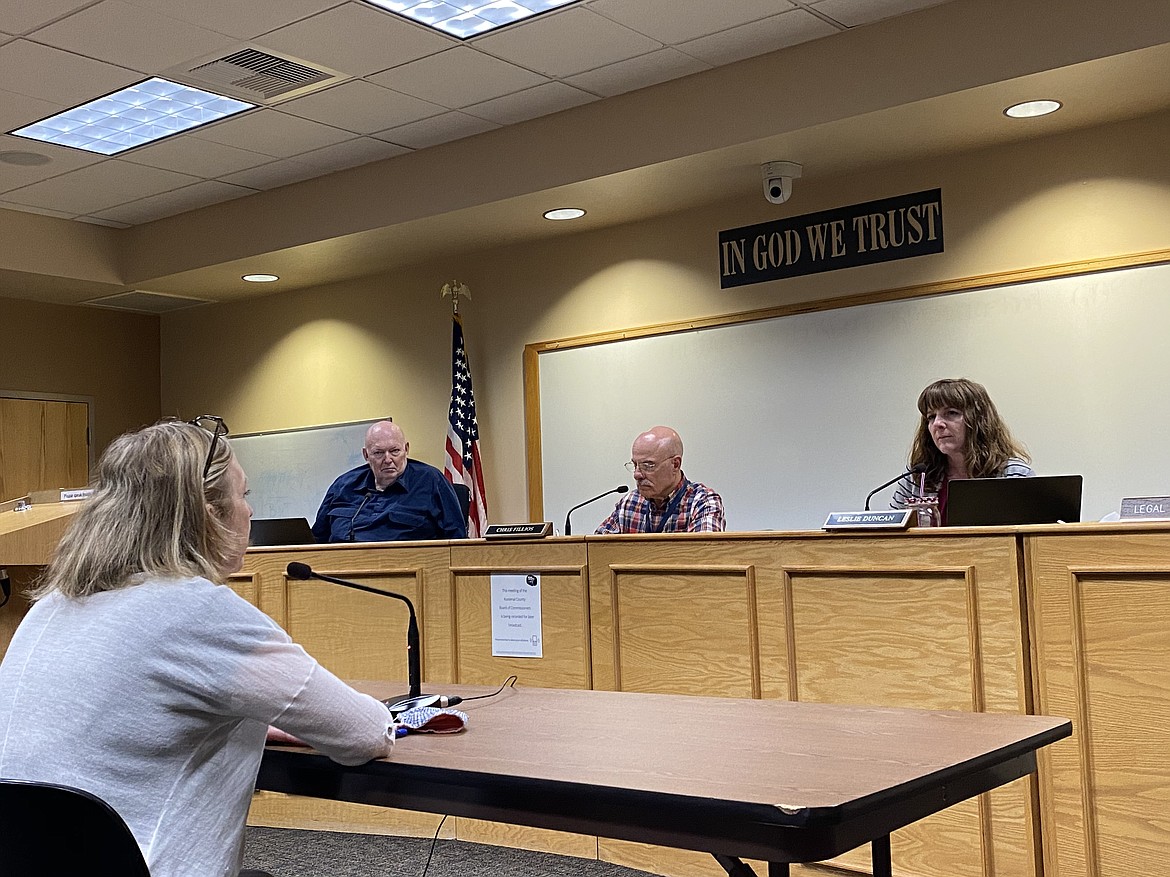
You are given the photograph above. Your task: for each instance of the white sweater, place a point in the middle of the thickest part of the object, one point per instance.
(157, 698)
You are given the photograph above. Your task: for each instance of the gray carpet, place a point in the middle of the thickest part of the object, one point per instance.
(294, 853)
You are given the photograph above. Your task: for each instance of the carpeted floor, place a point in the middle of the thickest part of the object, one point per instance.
(293, 853)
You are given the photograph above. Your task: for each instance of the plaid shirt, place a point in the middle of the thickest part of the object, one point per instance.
(700, 510)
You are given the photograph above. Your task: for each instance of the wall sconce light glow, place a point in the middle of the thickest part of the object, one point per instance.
(564, 213)
(1030, 109)
(260, 278)
(468, 18)
(135, 115)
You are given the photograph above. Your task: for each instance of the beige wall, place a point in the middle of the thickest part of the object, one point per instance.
(381, 345)
(60, 350)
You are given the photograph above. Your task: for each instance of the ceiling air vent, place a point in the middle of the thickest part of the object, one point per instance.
(260, 77)
(143, 302)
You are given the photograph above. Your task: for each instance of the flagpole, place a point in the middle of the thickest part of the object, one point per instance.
(463, 466)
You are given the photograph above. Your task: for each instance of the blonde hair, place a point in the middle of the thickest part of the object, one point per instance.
(990, 443)
(152, 515)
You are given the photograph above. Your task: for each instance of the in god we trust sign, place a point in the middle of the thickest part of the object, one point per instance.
(845, 237)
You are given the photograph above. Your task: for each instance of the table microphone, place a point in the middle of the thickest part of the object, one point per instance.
(621, 488)
(414, 697)
(913, 471)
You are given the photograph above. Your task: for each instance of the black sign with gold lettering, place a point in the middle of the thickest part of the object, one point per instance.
(877, 231)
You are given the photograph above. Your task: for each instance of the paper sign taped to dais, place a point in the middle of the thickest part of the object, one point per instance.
(516, 619)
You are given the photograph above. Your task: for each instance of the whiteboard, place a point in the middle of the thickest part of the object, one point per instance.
(793, 417)
(290, 470)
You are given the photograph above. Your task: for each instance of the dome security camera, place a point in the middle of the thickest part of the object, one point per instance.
(778, 177)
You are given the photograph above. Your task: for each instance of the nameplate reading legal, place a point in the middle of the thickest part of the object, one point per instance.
(518, 531)
(893, 519)
(1146, 508)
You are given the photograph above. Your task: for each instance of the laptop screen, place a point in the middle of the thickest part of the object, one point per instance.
(1043, 499)
(280, 531)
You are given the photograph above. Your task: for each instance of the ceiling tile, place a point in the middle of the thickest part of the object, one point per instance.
(18, 110)
(22, 16)
(169, 203)
(201, 158)
(134, 37)
(58, 76)
(564, 43)
(660, 66)
(25, 208)
(351, 153)
(852, 13)
(360, 106)
(436, 130)
(458, 77)
(272, 133)
(540, 101)
(62, 160)
(672, 22)
(758, 38)
(356, 39)
(273, 175)
(98, 187)
(242, 21)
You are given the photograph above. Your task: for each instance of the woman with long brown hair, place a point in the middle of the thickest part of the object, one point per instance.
(960, 435)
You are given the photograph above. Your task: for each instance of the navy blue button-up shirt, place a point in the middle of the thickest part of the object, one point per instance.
(421, 504)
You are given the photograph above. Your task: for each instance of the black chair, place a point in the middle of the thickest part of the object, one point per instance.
(464, 493)
(57, 831)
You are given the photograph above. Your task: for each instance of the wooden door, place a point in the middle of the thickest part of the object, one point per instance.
(44, 444)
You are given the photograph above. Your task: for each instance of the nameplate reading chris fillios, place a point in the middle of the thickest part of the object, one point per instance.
(894, 519)
(1148, 508)
(518, 531)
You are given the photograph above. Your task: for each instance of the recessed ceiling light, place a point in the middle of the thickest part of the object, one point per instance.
(564, 213)
(136, 115)
(1031, 108)
(25, 159)
(470, 17)
(260, 278)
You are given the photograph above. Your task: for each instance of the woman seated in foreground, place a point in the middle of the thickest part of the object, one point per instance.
(960, 435)
(140, 677)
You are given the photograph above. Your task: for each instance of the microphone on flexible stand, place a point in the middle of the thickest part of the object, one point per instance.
(915, 470)
(353, 520)
(621, 488)
(414, 697)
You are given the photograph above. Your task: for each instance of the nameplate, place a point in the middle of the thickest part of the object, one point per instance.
(893, 519)
(1147, 508)
(518, 531)
(61, 495)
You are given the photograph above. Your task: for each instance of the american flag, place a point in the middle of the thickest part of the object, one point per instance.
(463, 464)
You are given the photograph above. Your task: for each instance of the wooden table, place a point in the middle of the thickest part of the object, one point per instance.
(780, 781)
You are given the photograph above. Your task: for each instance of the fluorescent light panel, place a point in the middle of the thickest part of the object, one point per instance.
(468, 18)
(136, 115)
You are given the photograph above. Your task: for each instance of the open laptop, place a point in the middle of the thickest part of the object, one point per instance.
(1043, 499)
(280, 531)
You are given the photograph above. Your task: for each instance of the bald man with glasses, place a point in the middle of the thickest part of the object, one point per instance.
(664, 501)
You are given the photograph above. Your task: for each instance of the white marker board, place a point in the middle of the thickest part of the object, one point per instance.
(290, 470)
(793, 417)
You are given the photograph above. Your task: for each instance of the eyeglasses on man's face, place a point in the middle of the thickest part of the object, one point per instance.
(214, 425)
(646, 467)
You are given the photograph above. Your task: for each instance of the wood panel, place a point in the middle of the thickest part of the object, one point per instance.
(687, 615)
(356, 636)
(43, 445)
(926, 621)
(1100, 604)
(564, 600)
